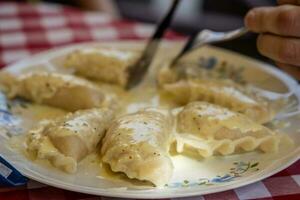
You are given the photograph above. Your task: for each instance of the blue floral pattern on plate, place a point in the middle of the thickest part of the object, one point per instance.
(9, 123)
(238, 170)
(215, 68)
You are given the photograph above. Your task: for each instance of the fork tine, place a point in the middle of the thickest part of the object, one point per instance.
(222, 36)
(205, 37)
(188, 45)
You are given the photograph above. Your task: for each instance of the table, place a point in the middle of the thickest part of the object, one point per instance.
(26, 29)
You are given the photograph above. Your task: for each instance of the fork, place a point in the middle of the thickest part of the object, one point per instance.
(139, 69)
(205, 37)
(210, 37)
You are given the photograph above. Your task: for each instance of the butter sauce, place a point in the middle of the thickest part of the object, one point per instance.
(128, 102)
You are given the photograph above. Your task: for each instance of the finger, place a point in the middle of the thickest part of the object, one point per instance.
(295, 2)
(282, 49)
(280, 20)
(290, 69)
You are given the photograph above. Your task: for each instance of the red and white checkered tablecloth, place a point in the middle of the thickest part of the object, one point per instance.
(27, 29)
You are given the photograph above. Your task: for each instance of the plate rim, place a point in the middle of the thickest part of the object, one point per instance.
(108, 193)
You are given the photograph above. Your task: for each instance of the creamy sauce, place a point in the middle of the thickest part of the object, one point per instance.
(235, 93)
(113, 53)
(140, 132)
(215, 113)
(129, 102)
(31, 114)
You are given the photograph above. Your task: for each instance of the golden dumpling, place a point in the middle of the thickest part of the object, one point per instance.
(224, 93)
(67, 140)
(58, 90)
(213, 129)
(106, 65)
(137, 145)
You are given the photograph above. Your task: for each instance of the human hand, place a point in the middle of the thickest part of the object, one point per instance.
(279, 33)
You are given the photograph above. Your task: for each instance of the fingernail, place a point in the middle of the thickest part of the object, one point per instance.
(250, 19)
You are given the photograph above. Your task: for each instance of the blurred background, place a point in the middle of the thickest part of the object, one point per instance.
(192, 15)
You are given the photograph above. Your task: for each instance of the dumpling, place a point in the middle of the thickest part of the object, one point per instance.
(224, 93)
(213, 129)
(58, 90)
(137, 145)
(69, 139)
(107, 65)
(209, 121)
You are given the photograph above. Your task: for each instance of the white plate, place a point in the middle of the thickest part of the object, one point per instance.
(191, 177)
